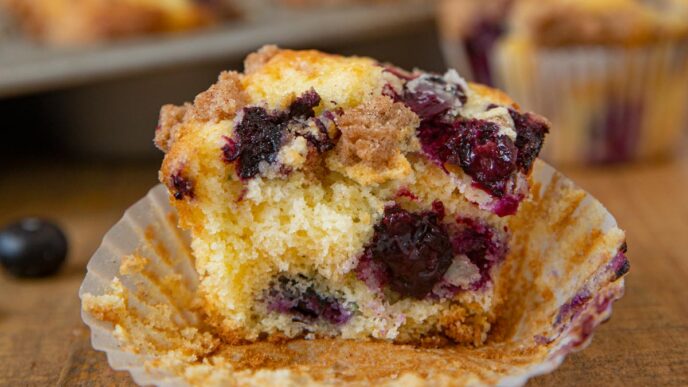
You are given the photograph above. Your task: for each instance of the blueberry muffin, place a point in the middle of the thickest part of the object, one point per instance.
(87, 21)
(610, 74)
(332, 196)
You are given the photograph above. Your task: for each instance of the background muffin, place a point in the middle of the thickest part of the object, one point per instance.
(86, 21)
(611, 75)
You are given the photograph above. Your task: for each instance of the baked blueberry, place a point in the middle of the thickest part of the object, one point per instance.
(32, 247)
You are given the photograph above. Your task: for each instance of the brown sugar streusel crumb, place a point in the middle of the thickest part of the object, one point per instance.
(222, 100)
(171, 118)
(372, 132)
(258, 59)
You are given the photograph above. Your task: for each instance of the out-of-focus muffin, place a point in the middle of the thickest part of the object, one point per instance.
(612, 75)
(70, 22)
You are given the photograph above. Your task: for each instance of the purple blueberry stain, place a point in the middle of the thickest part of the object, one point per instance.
(409, 251)
(406, 193)
(620, 265)
(586, 329)
(372, 272)
(480, 243)
(182, 187)
(295, 297)
(507, 205)
(438, 208)
(571, 308)
(602, 303)
(542, 340)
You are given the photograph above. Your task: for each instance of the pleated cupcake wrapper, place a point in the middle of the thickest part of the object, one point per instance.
(559, 283)
(605, 103)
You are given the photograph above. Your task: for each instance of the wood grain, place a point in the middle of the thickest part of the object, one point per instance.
(43, 342)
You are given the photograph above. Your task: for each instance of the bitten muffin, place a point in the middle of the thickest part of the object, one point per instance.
(67, 22)
(332, 196)
(610, 74)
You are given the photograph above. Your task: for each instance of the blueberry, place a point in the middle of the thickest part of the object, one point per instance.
(258, 138)
(531, 131)
(489, 158)
(413, 249)
(32, 247)
(475, 145)
(183, 187)
(287, 295)
(260, 134)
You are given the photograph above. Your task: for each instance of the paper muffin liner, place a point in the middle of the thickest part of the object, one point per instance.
(606, 104)
(558, 284)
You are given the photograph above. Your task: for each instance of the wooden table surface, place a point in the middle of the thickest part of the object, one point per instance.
(43, 342)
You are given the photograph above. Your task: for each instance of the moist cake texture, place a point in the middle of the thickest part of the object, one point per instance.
(333, 196)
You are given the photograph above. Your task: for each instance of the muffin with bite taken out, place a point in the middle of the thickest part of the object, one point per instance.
(332, 196)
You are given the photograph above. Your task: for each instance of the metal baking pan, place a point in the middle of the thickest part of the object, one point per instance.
(27, 67)
(103, 100)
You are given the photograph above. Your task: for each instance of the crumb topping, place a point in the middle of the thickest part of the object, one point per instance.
(222, 100)
(171, 118)
(376, 132)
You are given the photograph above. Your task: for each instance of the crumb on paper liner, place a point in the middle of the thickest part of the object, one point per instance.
(562, 275)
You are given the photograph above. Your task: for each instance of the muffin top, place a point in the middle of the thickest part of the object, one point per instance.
(292, 110)
(570, 22)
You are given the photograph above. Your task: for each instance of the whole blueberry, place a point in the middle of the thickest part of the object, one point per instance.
(32, 247)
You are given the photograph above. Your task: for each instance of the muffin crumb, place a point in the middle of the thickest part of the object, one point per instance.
(132, 264)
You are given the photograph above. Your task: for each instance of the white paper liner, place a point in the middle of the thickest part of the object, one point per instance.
(536, 342)
(605, 103)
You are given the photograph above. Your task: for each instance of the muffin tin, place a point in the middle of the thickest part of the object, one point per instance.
(102, 101)
(26, 66)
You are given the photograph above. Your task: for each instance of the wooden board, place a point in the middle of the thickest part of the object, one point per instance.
(43, 342)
